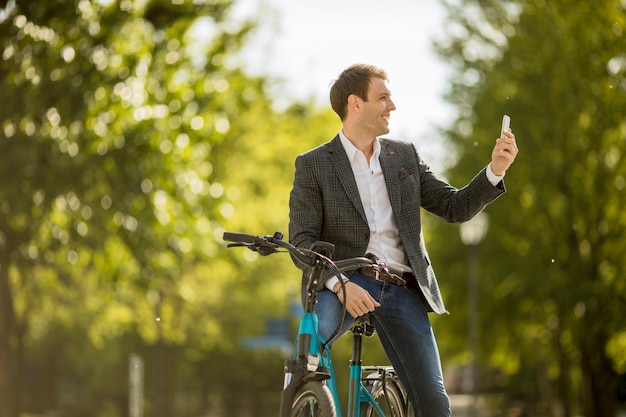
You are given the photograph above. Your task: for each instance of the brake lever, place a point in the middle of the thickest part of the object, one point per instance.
(265, 250)
(237, 245)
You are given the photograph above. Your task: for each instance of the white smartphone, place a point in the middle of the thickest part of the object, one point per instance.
(506, 123)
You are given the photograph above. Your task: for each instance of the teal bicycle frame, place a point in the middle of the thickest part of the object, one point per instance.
(312, 361)
(321, 359)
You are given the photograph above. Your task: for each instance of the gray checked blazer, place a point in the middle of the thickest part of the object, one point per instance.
(325, 205)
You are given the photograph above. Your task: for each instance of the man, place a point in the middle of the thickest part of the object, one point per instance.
(363, 194)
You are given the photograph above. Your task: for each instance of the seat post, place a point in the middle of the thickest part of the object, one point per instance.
(357, 343)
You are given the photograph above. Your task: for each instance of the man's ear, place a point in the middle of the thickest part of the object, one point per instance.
(354, 102)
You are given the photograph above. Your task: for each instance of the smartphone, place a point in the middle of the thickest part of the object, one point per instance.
(506, 123)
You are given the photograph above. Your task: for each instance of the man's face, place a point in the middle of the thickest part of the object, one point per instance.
(377, 109)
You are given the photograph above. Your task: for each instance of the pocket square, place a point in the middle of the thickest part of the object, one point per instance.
(403, 173)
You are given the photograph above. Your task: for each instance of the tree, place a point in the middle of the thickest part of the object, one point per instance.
(108, 147)
(552, 268)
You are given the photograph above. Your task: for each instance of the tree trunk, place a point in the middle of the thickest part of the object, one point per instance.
(563, 380)
(7, 397)
(599, 380)
(166, 386)
(20, 355)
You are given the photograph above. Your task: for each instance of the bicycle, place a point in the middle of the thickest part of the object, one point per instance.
(310, 388)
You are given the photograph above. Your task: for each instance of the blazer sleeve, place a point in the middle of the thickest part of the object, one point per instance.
(452, 204)
(305, 205)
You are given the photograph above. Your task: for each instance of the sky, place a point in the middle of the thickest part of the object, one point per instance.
(306, 44)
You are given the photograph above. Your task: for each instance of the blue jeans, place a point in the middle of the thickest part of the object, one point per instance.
(404, 329)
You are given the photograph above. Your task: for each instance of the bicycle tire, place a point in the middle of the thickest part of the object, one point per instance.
(313, 399)
(390, 399)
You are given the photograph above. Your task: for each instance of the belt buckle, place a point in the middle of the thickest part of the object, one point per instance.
(394, 276)
(379, 269)
(401, 281)
(384, 271)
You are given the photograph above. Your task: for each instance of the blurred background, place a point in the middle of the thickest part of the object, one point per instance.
(134, 132)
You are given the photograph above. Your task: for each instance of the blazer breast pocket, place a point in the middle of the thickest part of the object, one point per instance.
(409, 188)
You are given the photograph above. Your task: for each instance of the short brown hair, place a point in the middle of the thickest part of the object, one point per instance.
(353, 80)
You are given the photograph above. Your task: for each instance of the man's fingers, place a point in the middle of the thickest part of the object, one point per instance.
(359, 301)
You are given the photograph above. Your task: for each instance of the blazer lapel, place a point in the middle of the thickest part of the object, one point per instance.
(339, 159)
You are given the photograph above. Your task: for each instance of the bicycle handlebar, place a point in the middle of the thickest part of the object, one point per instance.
(317, 258)
(269, 244)
(266, 245)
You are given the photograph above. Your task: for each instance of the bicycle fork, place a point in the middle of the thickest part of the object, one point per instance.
(310, 363)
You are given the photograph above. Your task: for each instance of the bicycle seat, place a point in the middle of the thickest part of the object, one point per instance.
(363, 326)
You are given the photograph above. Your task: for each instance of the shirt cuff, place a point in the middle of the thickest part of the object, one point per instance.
(332, 281)
(493, 178)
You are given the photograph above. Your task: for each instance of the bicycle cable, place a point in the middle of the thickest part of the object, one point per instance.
(273, 247)
(330, 264)
(335, 333)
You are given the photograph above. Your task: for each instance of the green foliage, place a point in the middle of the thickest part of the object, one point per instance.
(551, 264)
(130, 146)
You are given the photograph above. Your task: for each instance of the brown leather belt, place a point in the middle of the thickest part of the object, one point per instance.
(407, 277)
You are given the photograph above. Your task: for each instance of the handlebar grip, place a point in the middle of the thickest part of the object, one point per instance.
(239, 237)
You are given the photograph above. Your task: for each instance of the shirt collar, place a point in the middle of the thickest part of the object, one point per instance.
(351, 150)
